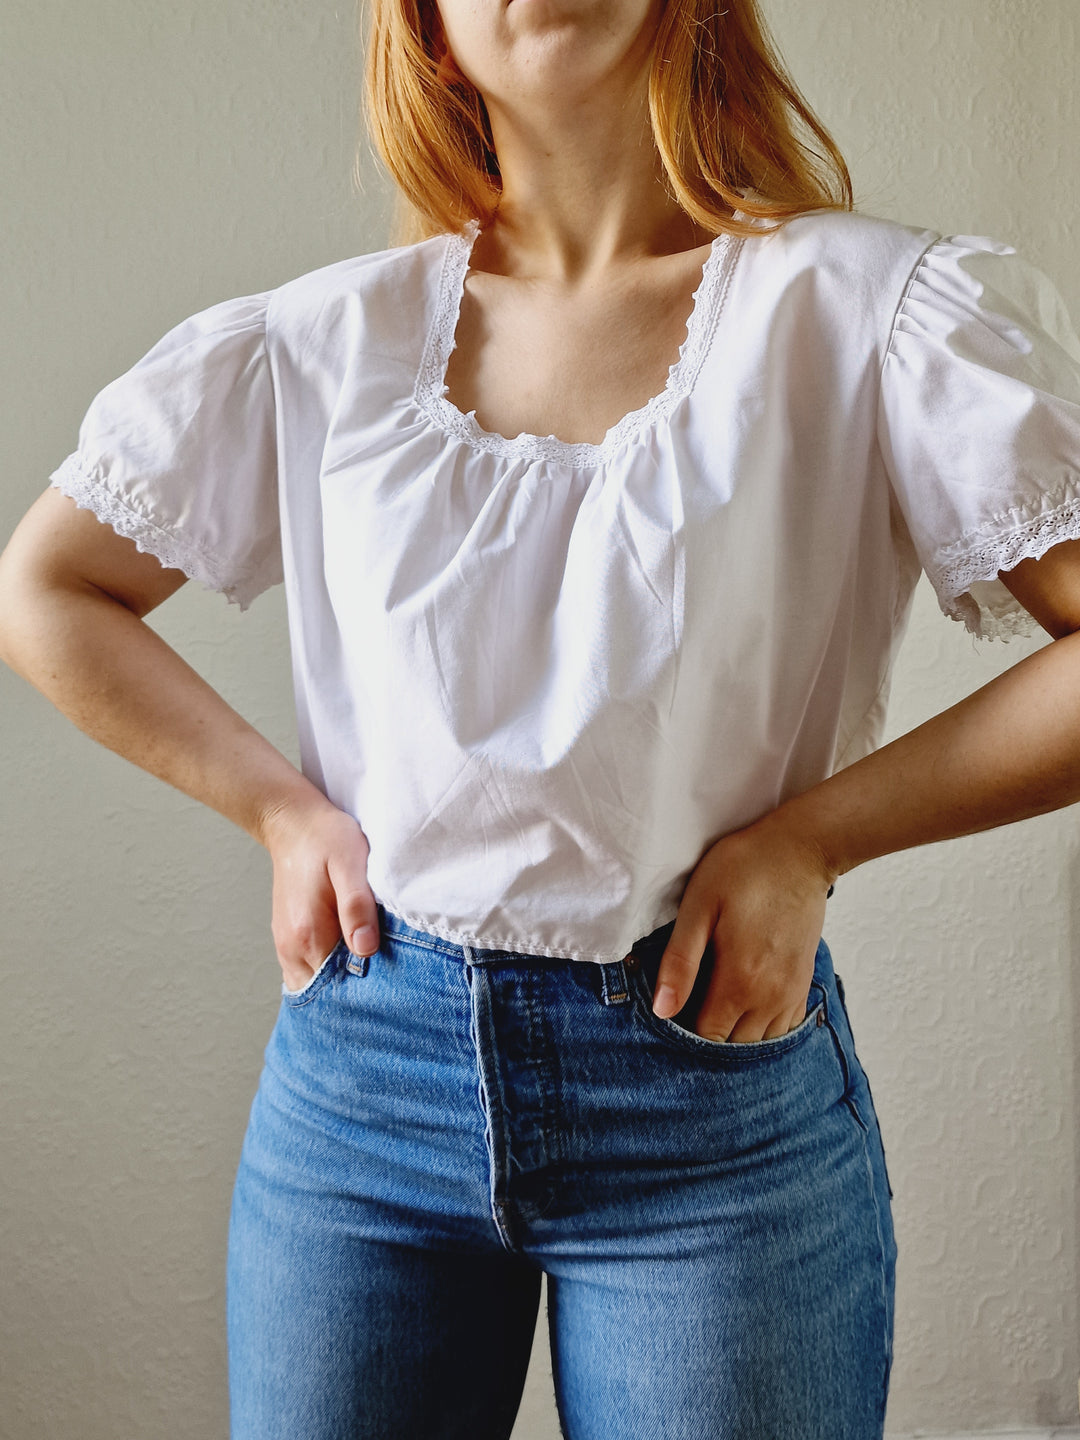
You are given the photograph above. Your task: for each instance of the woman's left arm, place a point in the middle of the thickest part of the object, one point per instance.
(1009, 751)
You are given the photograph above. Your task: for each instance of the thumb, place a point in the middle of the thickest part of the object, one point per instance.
(681, 960)
(357, 908)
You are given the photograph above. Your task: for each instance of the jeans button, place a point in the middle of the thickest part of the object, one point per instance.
(631, 961)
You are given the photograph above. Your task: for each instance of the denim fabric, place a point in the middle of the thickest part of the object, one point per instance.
(437, 1126)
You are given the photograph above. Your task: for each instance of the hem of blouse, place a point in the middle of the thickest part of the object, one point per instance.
(83, 482)
(978, 559)
(430, 390)
(509, 944)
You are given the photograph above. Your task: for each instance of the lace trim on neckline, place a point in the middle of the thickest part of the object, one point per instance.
(977, 561)
(430, 393)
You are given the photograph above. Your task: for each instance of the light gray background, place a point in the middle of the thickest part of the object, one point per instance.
(157, 159)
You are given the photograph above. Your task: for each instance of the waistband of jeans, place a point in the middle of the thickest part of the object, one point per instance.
(394, 926)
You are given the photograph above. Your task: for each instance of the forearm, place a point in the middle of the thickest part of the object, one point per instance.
(1009, 751)
(120, 683)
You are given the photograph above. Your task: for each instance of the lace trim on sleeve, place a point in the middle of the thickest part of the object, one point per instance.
(84, 484)
(964, 574)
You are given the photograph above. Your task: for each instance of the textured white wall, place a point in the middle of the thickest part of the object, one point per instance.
(159, 159)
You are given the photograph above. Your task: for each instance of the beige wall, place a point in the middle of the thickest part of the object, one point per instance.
(157, 159)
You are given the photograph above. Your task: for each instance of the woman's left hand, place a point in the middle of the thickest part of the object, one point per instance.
(759, 896)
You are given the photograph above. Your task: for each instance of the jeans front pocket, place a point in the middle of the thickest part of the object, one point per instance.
(319, 978)
(675, 1032)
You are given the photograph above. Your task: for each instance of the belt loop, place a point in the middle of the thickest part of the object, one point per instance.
(357, 964)
(467, 954)
(613, 980)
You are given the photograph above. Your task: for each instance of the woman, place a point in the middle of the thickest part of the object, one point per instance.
(591, 668)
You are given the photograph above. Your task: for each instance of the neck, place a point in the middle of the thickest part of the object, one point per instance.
(583, 190)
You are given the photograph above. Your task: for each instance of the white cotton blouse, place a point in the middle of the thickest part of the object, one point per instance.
(545, 677)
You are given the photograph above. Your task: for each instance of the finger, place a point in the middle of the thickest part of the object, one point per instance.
(796, 1017)
(750, 1029)
(308, 949)
(718, 1027)
(297, 976)
(296, 973)
(681, 959)
(734, 1023)
(721, 1010)
(357, 908)
(783, 1024)
(293, 978)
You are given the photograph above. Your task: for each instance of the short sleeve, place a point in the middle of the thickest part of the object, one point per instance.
(979, 424)
(179, 453)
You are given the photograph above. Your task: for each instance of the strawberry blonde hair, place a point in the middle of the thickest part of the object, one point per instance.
(726, 120)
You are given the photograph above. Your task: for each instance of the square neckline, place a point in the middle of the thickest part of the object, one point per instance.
(430, 392)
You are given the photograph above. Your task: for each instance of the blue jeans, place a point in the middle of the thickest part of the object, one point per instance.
(436, 1127)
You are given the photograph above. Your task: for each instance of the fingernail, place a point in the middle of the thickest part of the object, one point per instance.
(665, 1001)
(365, 940)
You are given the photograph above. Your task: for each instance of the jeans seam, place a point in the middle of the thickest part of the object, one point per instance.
(842, 1061)
(864, 1135)
(494, 1126)
(881, 1252)
(446, 949)
(556, 1376)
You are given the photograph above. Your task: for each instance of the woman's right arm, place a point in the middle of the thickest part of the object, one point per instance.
(73, 594)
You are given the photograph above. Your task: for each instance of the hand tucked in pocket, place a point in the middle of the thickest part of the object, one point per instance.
(758, 895)
(320, 887)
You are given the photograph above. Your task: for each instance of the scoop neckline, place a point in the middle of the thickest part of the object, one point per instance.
(430, 393)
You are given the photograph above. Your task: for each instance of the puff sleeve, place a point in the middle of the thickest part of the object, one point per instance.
(979, 424)
(179, 453)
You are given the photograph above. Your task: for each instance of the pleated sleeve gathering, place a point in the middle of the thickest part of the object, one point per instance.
(179, 453)
(979, 424)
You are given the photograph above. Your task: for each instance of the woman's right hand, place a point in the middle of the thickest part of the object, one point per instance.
(320, 887)
(73, 594)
